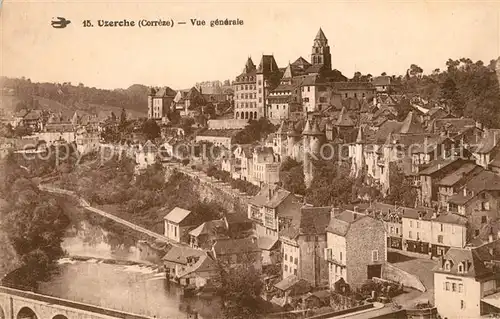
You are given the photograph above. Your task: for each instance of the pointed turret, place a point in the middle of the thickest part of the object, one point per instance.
(288, 74)
(315, 129)
(283, 129)
(320, 35)
(249, 66)
(307, 128)
(344, 119)
(360, 138)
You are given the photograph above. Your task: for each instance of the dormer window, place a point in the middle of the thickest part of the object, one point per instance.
(460, 268)
(447, 266)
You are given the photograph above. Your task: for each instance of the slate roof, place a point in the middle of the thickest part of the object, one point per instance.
(320, 35)
(384, 130)
(458, 175)
(301, 63)
(207, 228)
(423, 213)
(267, 243)
(433, 143)
(165, 92)
(475, 266)
(235, 246)
(180, 254)
(203, 264)
(344, 120)
(290, 282)
(177, 215)
(437, 165)
(311, 220)
(451, 218)
(453, 125)
(411, 124)
(278, 195)
(341, 223)
(383, 80)
(267, 65)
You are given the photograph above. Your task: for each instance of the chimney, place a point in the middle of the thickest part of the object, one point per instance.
(465, 191)
(333, 212)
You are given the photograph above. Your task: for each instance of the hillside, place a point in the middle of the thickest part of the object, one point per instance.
(65, 97)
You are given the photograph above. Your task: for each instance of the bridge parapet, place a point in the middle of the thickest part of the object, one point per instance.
(19, 304)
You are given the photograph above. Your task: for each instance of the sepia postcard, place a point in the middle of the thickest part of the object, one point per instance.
(249, 159)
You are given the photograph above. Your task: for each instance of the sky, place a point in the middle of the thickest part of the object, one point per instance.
(366, 36)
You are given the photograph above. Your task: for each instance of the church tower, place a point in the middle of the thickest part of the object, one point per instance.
(321, 51)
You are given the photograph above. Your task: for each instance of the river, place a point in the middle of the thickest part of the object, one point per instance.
(139, 289)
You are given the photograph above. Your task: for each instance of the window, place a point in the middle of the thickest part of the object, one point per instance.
(460, 287)
(447, 285)
(476, 232)
(346, 95)
(418, 224)
(397, 231)
(460, 268)
(418, 236)
(295, 272)
(308, 89)
(175, 231)
(392, 229)
(260, 90)
(291, 258)
(483, 220)
(286, 257)
(260, 100)
(411, 223)
(286, 267)
(410, 235)
(440, 239)
(462, 304)
(447, 266)
(453, 287)
(441, 227)
(374, 255)
(296, 261)
(340, 256)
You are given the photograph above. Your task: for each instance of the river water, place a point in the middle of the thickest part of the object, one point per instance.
(139, 289)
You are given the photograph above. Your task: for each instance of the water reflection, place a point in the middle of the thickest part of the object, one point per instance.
(132, 288)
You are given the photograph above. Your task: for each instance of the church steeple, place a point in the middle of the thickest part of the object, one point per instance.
(321, 51)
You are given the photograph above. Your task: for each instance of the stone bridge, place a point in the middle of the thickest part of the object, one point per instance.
(20, 304)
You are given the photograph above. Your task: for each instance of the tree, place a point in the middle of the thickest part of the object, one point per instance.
(239, 289)
(292, 176)
(383, 74)
(254, 131)
(415, 70)
(151, 129)
(123, 118)
(331, 185)
(401, 192)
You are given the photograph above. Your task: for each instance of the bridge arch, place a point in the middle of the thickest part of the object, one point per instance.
(27, 313)
(59, 317)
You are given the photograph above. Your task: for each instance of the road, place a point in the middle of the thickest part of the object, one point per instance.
(85, 204)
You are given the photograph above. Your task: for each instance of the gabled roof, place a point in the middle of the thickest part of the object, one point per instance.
(293, 281)
(341, 223)
(451, 218)
(474, 266)
(456, 176)
(165, 92)
(267, 243)
(208, 228)
(270, 196)
(235, 246)
(180, 254)
(312, 220)
(203, 264)
(411, 125)
(437, 165)
(301, 63)
(177, 215)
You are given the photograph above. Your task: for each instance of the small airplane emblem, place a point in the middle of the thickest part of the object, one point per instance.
(59, 23)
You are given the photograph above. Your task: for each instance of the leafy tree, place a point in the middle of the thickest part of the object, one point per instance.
(255, 131)
(331, 185)
(239, 289)
(292, 176)
(401, 192)
(151, 129)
